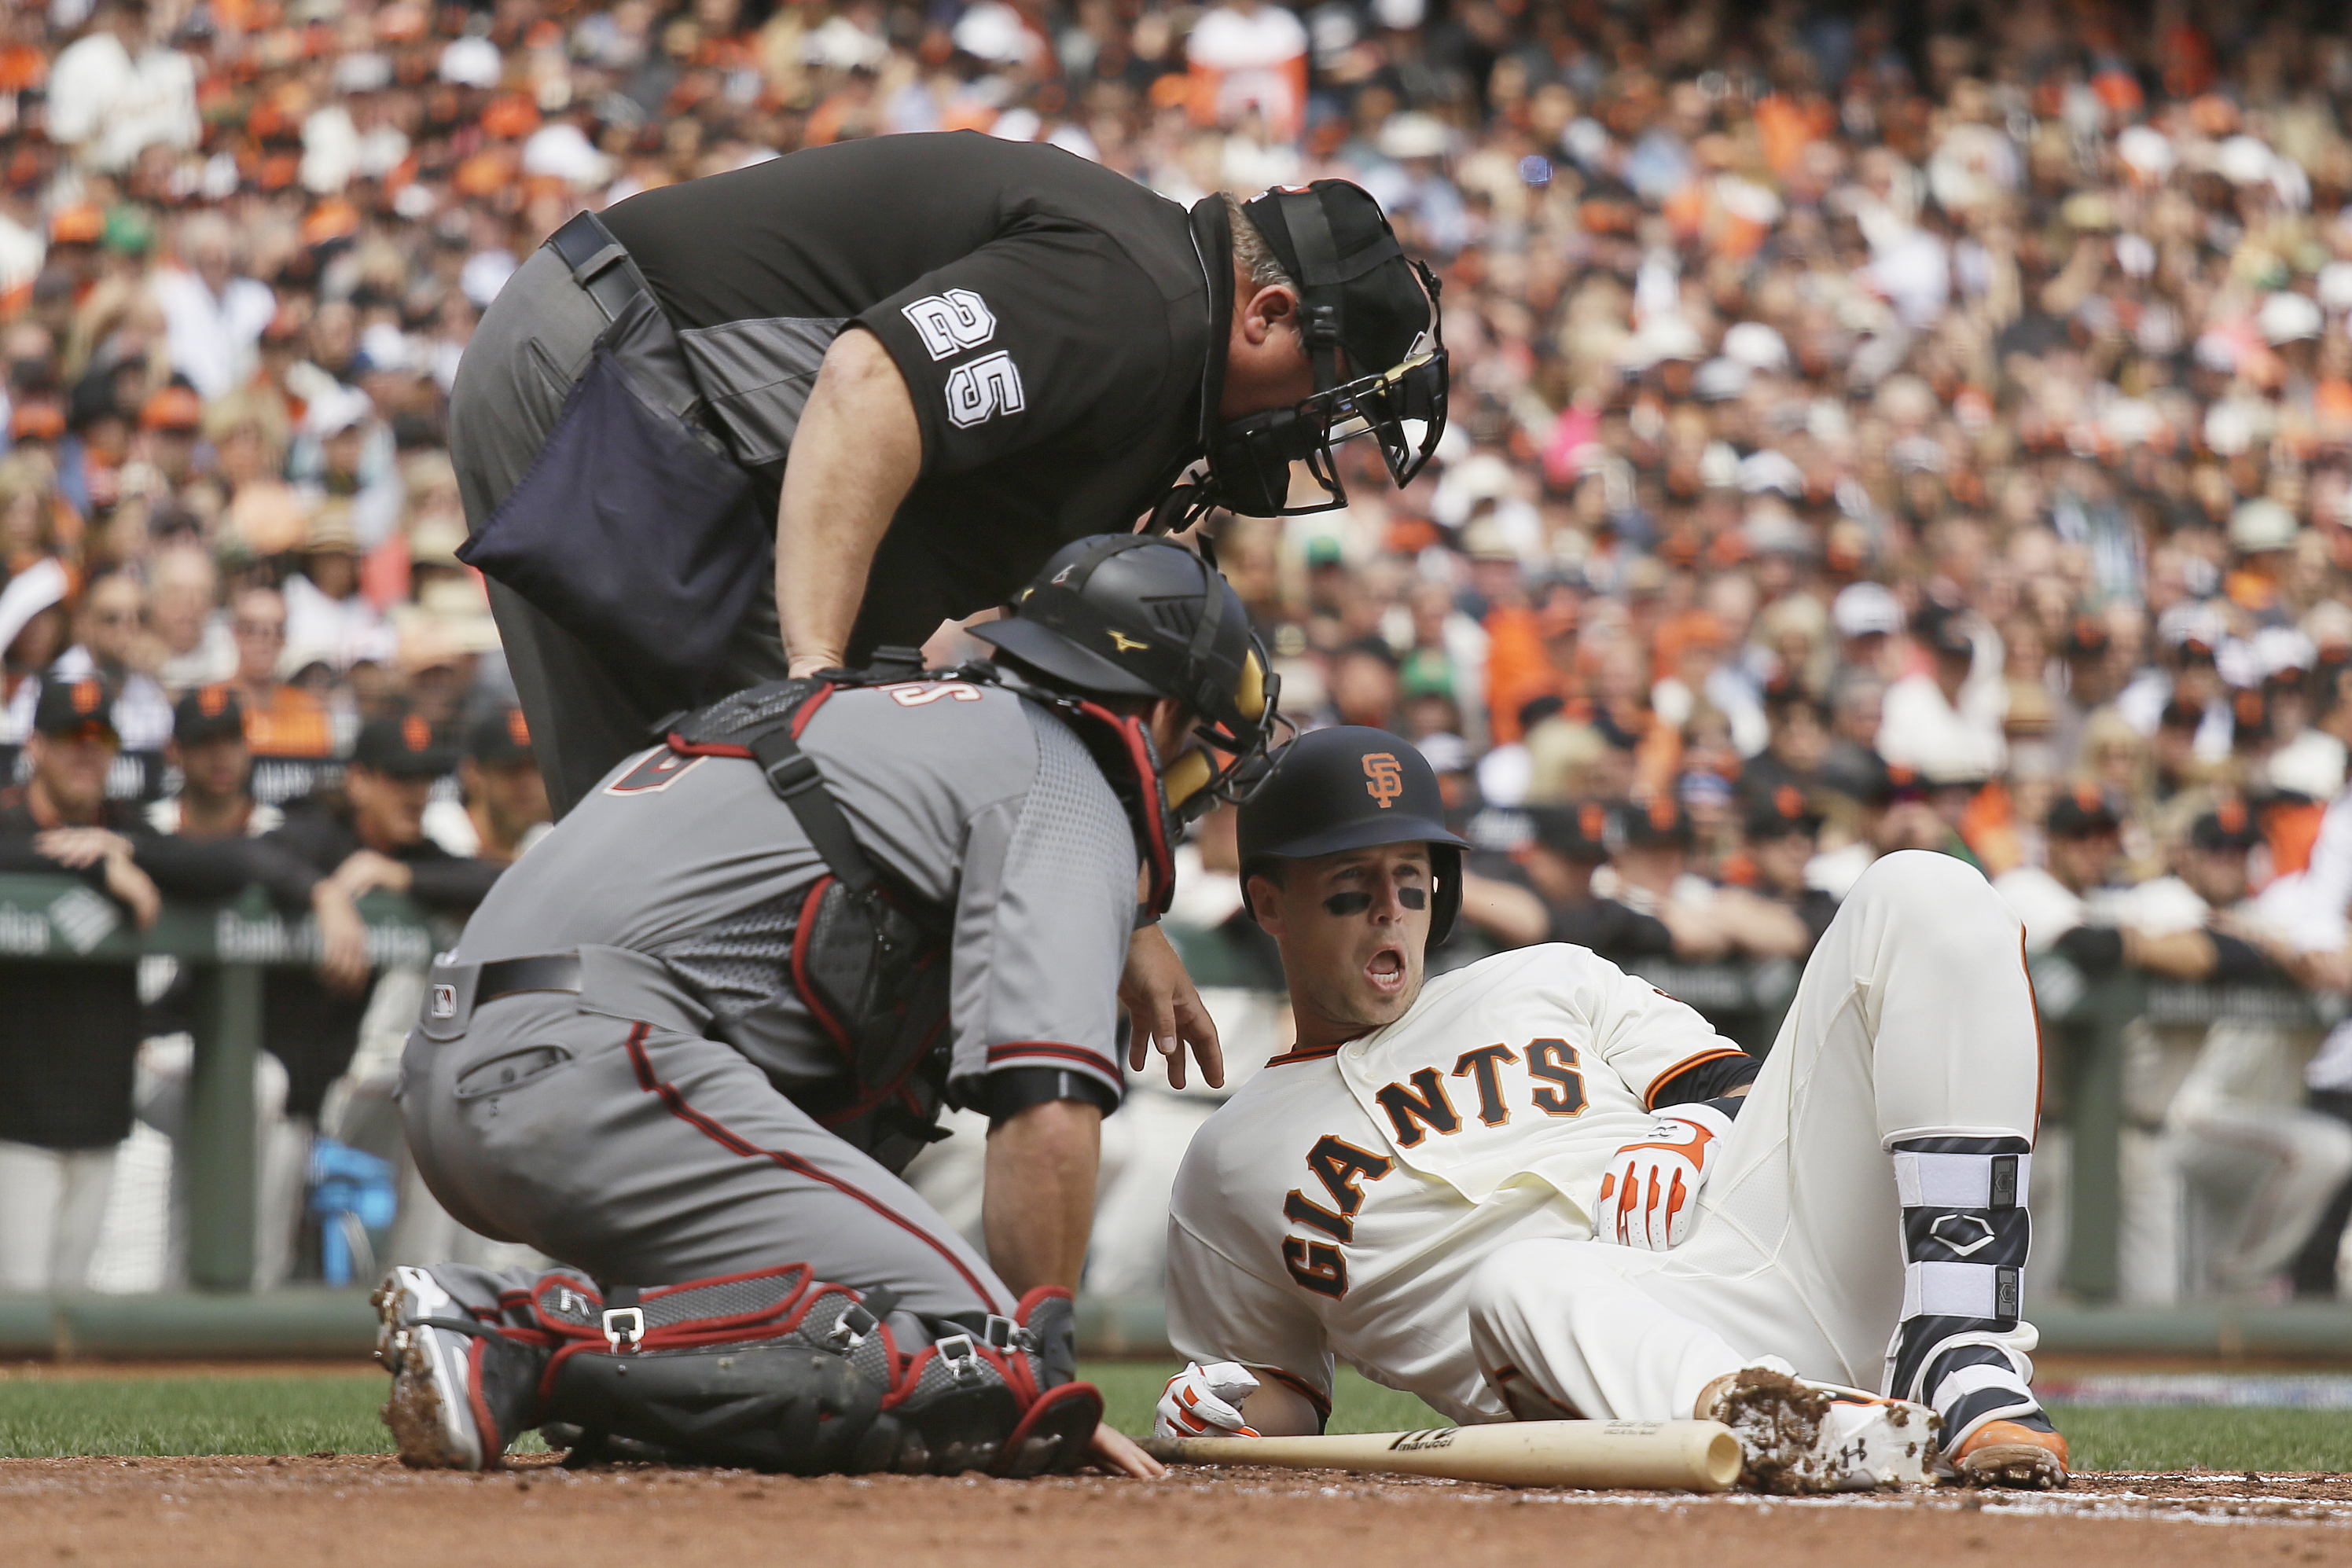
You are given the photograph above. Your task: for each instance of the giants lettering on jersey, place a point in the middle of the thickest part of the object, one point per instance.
(1419, 1106)
(1338, 1165)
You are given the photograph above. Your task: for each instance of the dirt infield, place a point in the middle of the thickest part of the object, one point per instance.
(359, 1510)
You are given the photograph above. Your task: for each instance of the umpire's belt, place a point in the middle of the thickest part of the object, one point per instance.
(614, 980)
(600, 265)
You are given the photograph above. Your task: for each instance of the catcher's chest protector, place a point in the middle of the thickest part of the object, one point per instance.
(868, 960)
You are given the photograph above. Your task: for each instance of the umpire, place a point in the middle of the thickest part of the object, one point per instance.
(687, 1043)
(972, 351)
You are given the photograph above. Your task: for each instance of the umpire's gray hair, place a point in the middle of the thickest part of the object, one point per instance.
(1258, 262)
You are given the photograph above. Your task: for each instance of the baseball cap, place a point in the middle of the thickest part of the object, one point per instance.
(405, 747)
(2080, 812)
(37, 421)
(1938, 628)
(1661, 824)
(2261, 524)
(500, 739)
(1866, 609)
(1384, 312)
(70, 708)
(2087, 638)
(2226, 827)
(173, 407)
(208, 712)
(1578, 831)
(1782, 812)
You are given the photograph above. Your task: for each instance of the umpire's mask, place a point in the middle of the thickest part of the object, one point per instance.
(1360, 296)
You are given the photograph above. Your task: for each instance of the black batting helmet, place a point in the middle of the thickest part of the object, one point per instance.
(1350, 788)
(1130, 615)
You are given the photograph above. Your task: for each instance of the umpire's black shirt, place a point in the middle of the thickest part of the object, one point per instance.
(1055, 324)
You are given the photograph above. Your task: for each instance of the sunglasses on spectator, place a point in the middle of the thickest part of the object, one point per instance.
(261, 628)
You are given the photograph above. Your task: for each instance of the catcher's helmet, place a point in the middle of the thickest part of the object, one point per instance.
(1130, 615)
(1350, 788)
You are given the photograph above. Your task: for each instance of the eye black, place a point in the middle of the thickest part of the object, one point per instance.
(1413, 897)
(1347, 904)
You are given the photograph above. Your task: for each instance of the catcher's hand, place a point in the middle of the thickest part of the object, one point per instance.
(1652, 1188)
(1205, 1402)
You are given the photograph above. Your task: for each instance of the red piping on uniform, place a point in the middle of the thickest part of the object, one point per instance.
(487, 1433)
(718, 1134)
(809, 705)
(705, 748)
(1079, 1053)
(1306, 1053)
(898, 1086)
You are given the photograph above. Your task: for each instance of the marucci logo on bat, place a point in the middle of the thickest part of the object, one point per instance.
(1423, 1440)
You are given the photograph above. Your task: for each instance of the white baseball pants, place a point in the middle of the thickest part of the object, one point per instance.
(1914, 1019)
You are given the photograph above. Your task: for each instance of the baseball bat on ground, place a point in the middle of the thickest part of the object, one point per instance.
(1647, 1455)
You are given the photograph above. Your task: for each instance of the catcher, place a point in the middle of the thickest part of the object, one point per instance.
(687, 1043)
(1467, 1187)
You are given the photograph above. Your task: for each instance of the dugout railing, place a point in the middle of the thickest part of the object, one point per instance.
(227, 946)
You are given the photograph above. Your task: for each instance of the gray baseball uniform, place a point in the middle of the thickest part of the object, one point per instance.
(645, 1130)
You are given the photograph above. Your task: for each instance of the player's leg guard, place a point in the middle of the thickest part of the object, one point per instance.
(1966, 1235)
(462, 1387)
(776, 1371)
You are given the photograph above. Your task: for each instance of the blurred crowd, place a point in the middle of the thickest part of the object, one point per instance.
(1875, 426)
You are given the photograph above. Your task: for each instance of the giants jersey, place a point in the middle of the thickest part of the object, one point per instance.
(1338, 1202)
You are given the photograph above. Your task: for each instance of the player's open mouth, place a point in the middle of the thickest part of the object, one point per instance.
(1386, 970)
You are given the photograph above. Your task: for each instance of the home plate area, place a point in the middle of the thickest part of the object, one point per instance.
(366, 1509)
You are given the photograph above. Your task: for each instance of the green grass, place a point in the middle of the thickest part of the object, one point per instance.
(46, 1418)
(2175, 1438)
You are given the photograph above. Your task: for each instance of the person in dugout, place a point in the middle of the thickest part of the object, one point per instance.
(688, 1041)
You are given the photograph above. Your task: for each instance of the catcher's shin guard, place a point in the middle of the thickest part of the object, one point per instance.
(1966, 1234)
(777, 1371)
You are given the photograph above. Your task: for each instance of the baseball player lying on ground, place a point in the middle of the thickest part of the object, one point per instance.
(1467, 1188)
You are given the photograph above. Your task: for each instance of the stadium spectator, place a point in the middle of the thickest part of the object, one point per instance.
(69, 1030)
(373, 838)
(502, 809)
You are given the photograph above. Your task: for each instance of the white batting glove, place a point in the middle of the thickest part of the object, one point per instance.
(1205, 1402)
(1651, 1191)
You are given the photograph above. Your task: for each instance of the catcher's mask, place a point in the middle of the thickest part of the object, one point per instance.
(1130, 615)
(1358, 293)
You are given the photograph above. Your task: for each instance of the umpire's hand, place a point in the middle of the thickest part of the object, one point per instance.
(1165, 1012)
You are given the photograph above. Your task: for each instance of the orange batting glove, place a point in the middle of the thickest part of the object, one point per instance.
(1205, 1402)
(1651, 1191)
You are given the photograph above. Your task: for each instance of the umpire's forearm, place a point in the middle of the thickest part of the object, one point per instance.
(1040, 1203)
(856, 452)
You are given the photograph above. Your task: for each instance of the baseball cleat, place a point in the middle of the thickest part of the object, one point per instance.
(1796, 1436)
(2006, 1454)
(452, 1379)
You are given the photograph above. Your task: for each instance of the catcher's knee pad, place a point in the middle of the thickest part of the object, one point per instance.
(777, 1371)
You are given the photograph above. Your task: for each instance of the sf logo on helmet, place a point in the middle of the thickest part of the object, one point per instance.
(1384, 778)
